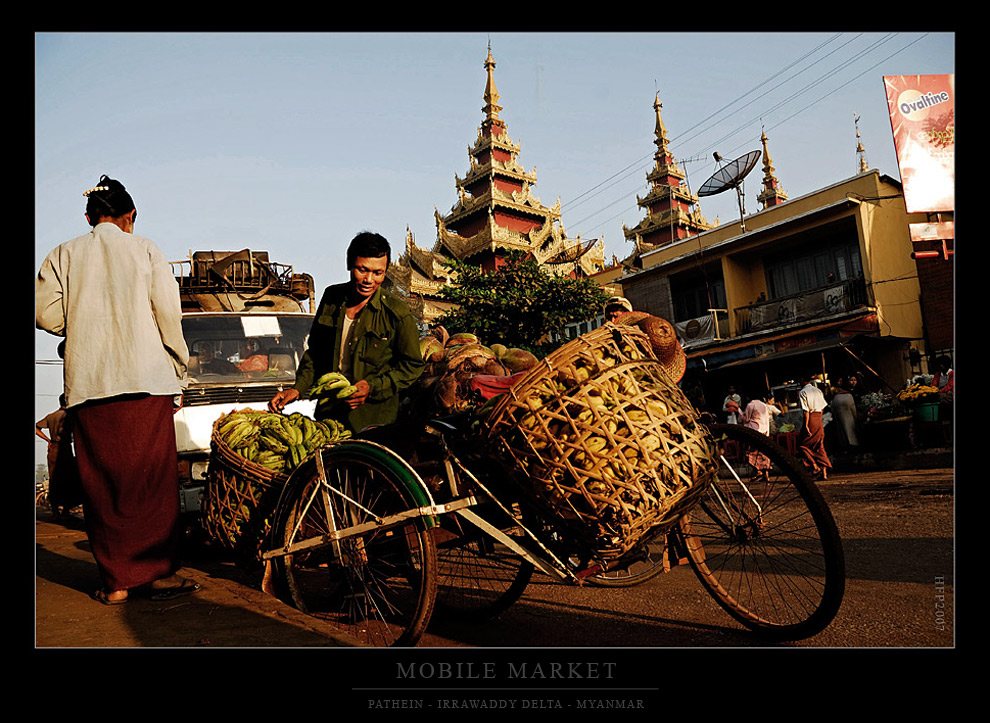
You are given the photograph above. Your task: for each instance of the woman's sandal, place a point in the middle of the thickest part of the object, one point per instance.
(187, 587)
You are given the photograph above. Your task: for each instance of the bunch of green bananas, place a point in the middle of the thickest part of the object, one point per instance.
(333, 384)
(277, 442)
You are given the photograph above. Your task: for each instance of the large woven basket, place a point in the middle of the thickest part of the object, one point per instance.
(239, 499)
(600, 439)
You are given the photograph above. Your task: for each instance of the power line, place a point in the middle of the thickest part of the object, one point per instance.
(683, 140)
(856, 77)
(577, 200)
(625, 172)
(814, 84)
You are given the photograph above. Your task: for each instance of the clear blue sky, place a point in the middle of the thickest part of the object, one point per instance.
(292, 143)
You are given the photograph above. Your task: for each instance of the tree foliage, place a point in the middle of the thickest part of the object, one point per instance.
(518, 303)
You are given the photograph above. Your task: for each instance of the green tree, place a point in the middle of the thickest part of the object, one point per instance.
(518, 303)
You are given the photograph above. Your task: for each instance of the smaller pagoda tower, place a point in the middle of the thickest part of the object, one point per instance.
(671, 212)
(772, 194)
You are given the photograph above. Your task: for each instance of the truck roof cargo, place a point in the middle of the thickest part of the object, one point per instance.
(237, 281)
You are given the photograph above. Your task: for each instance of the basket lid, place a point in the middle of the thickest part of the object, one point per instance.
(664, 339)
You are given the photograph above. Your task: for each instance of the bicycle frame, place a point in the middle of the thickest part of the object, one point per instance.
(714, 490)
(461, 503)
(343, 512)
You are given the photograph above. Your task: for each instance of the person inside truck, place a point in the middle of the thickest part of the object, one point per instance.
(209, 363)
(367, 334)
(253, 357)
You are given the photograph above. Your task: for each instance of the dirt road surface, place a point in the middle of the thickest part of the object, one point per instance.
(229, 611)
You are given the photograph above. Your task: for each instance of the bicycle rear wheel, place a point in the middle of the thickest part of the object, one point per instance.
(642, 564)
(764, 544)
(378, 583)
(479, 576)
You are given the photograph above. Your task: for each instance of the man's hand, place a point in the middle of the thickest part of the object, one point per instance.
(278, 402)
(360, 396)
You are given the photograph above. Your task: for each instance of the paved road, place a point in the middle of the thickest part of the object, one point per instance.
(559, 648)
(230, 610)
(897, 530)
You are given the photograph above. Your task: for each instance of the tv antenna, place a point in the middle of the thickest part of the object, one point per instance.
(731, 175)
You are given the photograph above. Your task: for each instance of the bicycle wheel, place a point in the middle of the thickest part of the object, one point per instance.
(641, 564)
(765, 545)
(378, 583)
(479, 577)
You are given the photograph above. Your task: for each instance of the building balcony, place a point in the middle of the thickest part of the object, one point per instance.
(824, 302)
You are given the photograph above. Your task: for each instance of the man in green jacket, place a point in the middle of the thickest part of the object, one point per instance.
(367, 334)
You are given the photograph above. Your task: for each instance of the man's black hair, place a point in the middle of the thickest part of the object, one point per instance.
(368, 245)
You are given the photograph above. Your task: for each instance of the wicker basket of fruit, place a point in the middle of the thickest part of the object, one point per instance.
(252, 454)
(600, 439)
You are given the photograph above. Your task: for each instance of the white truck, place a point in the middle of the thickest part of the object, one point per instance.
(245, 320)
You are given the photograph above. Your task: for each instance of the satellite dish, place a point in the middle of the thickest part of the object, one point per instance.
(731, 175)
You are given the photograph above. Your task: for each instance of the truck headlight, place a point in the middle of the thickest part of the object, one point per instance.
(199, 469)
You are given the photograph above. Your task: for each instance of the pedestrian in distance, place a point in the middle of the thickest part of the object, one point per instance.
(64, 491)
(853, 386)
(364, 332)
(758, 414)
(112, 296)
(944, 378)
(731, 406)
(811, 440)
(843, 407)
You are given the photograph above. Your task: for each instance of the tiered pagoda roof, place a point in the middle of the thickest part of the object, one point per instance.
(495, 212)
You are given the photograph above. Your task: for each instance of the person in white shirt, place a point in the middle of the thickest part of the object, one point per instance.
(113, 296)
(811, 440)
(757, 415)
(759, 412)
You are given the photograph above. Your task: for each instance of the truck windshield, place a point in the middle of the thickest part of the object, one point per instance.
(234, 348)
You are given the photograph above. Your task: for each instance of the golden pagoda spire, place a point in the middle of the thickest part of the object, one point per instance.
(491, 107)
(772, 193)
(661, 129)
(860, 150)
(767, 163)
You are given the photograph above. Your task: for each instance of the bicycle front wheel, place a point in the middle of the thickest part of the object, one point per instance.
(377, 583)
(763, 542)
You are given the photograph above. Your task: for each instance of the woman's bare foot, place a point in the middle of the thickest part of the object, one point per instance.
(111, 597)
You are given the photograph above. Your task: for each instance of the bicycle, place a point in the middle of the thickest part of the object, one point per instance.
(376, 543)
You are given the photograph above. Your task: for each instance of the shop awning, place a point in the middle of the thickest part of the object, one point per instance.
(816, 347)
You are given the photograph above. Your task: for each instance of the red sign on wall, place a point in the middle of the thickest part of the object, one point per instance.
(922, 118)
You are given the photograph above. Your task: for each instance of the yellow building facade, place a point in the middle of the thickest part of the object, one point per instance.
(824, 283)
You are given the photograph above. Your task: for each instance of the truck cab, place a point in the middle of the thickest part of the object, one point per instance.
(246, 321)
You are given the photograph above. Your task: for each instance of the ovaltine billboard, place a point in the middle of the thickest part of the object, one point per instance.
(922, 117)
